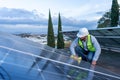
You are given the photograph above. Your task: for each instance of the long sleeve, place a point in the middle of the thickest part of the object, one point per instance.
(97, 47)
(73, 45)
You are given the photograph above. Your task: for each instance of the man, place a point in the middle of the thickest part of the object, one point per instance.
(86, 46)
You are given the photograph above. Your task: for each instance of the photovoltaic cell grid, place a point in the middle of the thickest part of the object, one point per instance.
(25, 60)
(109, 38)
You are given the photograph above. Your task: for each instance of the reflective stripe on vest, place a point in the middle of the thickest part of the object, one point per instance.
(90, 46)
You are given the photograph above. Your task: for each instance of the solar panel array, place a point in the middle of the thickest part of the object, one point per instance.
(21, 59)
(109, 38)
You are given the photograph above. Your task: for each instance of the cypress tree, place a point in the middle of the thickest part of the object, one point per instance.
(114, 13)
(50, 34)
(60, 40)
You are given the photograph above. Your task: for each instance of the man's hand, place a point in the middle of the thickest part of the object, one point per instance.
(93, 62)
(75, 57)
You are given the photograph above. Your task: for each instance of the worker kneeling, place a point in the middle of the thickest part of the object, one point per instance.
(85, 46)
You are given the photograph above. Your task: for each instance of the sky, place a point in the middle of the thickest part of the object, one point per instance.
(73, 12)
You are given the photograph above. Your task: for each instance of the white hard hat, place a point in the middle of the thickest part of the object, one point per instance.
(82, 32)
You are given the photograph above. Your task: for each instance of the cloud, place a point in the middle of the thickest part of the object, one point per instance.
(76, 23)
(15, 13)
(20, 16)
(13, 16)
(100, 12)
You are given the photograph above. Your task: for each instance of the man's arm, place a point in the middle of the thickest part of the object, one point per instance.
(73, 45)
(98, 50)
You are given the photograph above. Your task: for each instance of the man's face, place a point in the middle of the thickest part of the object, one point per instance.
(83, 38)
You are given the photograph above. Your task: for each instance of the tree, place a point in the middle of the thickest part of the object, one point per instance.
(60, 40)
(114, 13)
(50, 34)
(104, 21)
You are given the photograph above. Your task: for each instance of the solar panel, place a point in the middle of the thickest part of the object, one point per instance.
(109, 38)
(21, 59)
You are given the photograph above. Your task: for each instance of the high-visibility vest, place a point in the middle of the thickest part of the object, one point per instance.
(90, 46)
